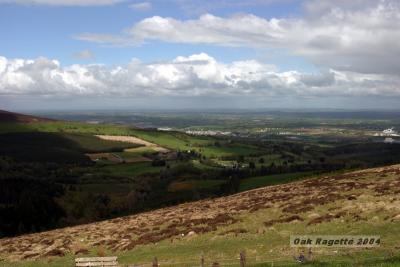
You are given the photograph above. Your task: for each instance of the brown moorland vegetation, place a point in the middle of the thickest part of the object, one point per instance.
(297, 202)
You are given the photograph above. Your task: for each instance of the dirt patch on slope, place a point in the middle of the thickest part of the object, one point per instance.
(134, 140)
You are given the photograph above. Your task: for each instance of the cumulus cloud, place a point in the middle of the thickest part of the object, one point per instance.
(142, 6)
(63, 2)
(357, 36)
(195, 75)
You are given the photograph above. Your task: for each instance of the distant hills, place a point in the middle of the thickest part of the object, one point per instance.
(7, 116)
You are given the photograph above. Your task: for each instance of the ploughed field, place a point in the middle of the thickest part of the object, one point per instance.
(258, 221)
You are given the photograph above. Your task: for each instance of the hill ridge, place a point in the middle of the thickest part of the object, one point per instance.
(8, 116)
(358, 193)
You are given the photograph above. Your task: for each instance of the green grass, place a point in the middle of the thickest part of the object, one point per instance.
(172, 140)
(115, 188)
(205, 165)
(162, 139)
(56, 147)
(78, 127)
(65, 126)
(41, 147)
(261, 249)
(207, 184)
(8, 127)
(226, 151)
(136, 153)
(260, 181)
(128, 169)
(327, 262)
(271, 246)
(92, 143)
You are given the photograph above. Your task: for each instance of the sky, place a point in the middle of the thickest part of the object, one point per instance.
(128, 54)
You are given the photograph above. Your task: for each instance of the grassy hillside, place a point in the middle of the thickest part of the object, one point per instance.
(171, 140)
(259, 222)
(260, 181)
(55, 147)
(123, 179)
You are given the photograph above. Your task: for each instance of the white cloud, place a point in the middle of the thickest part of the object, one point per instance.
(209, 29)
(63, 2)
(195, 75)
(357, 36)
(142, 6)
(107, 39)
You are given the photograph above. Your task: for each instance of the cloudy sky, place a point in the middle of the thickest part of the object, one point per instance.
(92, 54)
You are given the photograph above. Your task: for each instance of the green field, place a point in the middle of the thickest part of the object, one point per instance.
(135, 153)
(64, 126)
(90, 143)
(226, 151)
(166, 139)
(127, 169)
(255, 182)
(114, 188)
(172, 140)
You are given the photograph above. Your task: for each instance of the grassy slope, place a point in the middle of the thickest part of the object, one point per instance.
(127, 169)
(260, 181)
(58, 147)
(363, 202)
(172, 140)
(90, 143)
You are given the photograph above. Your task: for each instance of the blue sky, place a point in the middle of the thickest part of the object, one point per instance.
(32, 31)
(331, 52)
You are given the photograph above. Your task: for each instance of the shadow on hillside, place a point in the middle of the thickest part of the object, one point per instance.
(41, 147)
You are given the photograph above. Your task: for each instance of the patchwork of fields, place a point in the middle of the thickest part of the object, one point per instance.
(122, 170)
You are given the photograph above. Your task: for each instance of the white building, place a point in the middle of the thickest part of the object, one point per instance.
(389, 131)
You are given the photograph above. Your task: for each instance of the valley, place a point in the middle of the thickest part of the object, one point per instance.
(134, 192)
